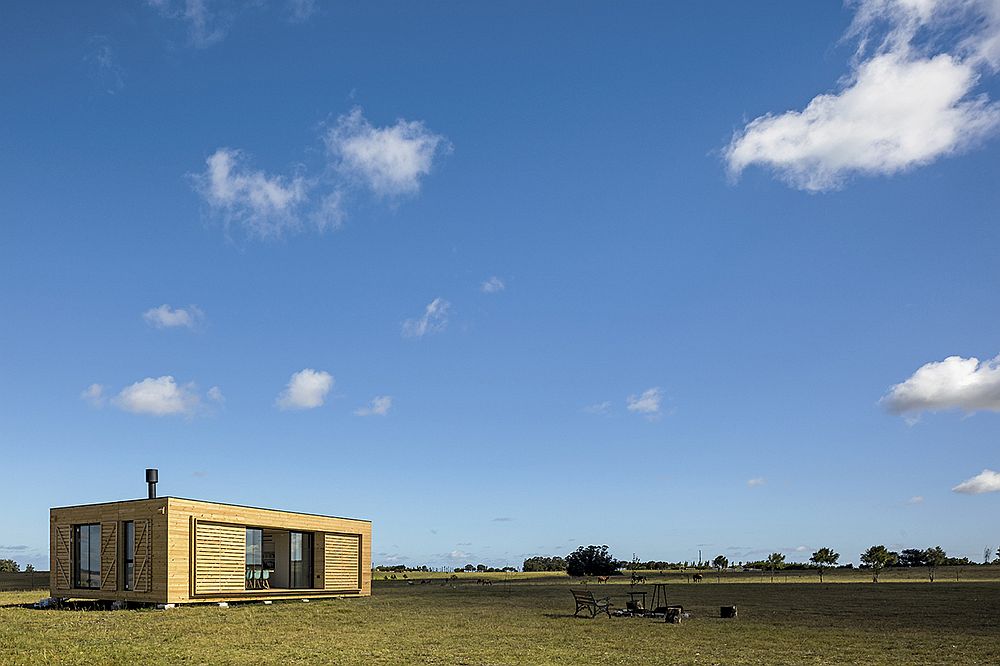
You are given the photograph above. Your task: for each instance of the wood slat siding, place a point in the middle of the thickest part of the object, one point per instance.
(142, 565)
(220, 558)
(149, 516)
(184, 514)
(343, 562)
(109, 555)
(62, 569)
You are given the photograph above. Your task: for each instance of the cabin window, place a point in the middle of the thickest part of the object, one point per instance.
(128, 548)
(87, 556)
(255, 554)
(301, 552)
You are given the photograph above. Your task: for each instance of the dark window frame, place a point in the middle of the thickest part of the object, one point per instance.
(86, 579)
(128, 555)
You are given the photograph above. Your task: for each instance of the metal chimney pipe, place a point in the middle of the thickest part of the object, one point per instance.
(152, 476)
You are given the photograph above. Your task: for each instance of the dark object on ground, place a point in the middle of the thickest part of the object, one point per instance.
(727, 611)
(697, 578)
(634, 607)
(673, 615)
(585, 601)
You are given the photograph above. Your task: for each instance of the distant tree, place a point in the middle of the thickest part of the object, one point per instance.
(590, 561)
(824, 557)
(987, 555)
(720, 562)
(481, 567)
(912, 557)
(29, 568)
(539, 563)
(878, 557)
(470, 567)
(775, 561)
(9, 566)
(933, 558)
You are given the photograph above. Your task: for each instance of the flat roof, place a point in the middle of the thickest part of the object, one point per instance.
(188, 499)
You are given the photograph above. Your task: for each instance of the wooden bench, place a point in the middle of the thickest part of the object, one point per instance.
(585, 601)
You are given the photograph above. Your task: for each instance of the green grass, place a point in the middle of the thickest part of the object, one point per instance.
(529, 621)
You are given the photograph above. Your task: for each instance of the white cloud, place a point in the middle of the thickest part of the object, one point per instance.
(756, 482)
(265, 205)
(908, 100)
(492, 285)
(598, 407)
(104, 67)
(94, 394)
(801, 549)
(379, 406)
(434, 320)
(215, 395)
(916, 499)
(648, 403)
(165, 316)
(160, 396)
(300, 10)
(986, 481)
(207, 22)
(389, 160)
(306, 389)
(954, 383)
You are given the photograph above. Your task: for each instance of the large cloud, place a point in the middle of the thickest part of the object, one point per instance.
(909, 99)
(986, 481)
(160, 396)
(954, 383)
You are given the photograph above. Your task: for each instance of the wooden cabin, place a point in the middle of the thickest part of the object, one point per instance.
(169, 550)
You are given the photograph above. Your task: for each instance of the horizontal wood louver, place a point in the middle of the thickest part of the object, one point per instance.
(343, 562)
(109, 555)
(220, 558)
(143, 559)
(63, 556)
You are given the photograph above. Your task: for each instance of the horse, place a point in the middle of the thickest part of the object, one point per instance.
(602, 579)
(697, 578)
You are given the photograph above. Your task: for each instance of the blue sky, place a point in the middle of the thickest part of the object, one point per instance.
(436, 264)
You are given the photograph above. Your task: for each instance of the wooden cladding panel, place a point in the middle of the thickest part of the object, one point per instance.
(62, 568)
(142, 569)
(109, 555)
(343, 562)
(220, 558)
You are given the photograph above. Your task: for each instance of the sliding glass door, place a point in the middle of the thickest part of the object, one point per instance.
(301, 559)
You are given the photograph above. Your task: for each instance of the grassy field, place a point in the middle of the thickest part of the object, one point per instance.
(528, 620)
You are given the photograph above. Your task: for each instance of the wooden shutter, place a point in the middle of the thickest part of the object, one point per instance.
(343, 562)
(63, 567)
(220, 558)
(109, 555)
(143, 560)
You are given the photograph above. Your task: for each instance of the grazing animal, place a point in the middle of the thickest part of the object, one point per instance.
(602, 579)
(637, 579)
(697, 578)
(488, 582)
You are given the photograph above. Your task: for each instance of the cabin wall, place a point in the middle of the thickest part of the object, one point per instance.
(151, 563)
(183, 578)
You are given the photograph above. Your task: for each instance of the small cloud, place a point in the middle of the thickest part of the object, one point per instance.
(502, 519)
(215, 395)
(94, 394)
(647, 404)
(165, 316)
(207, 22)
(159, 396)
(756, 482)
(434, 320)
(301, 10)
(954, 383)
(800, 549)
(492, 286)
(14, 549)
(465, 543)
(458, 555)
(598, 408)
(986, 481)
(916, 499)
(104, 68)
(306, 389)
(390, 160)
(379, 406)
